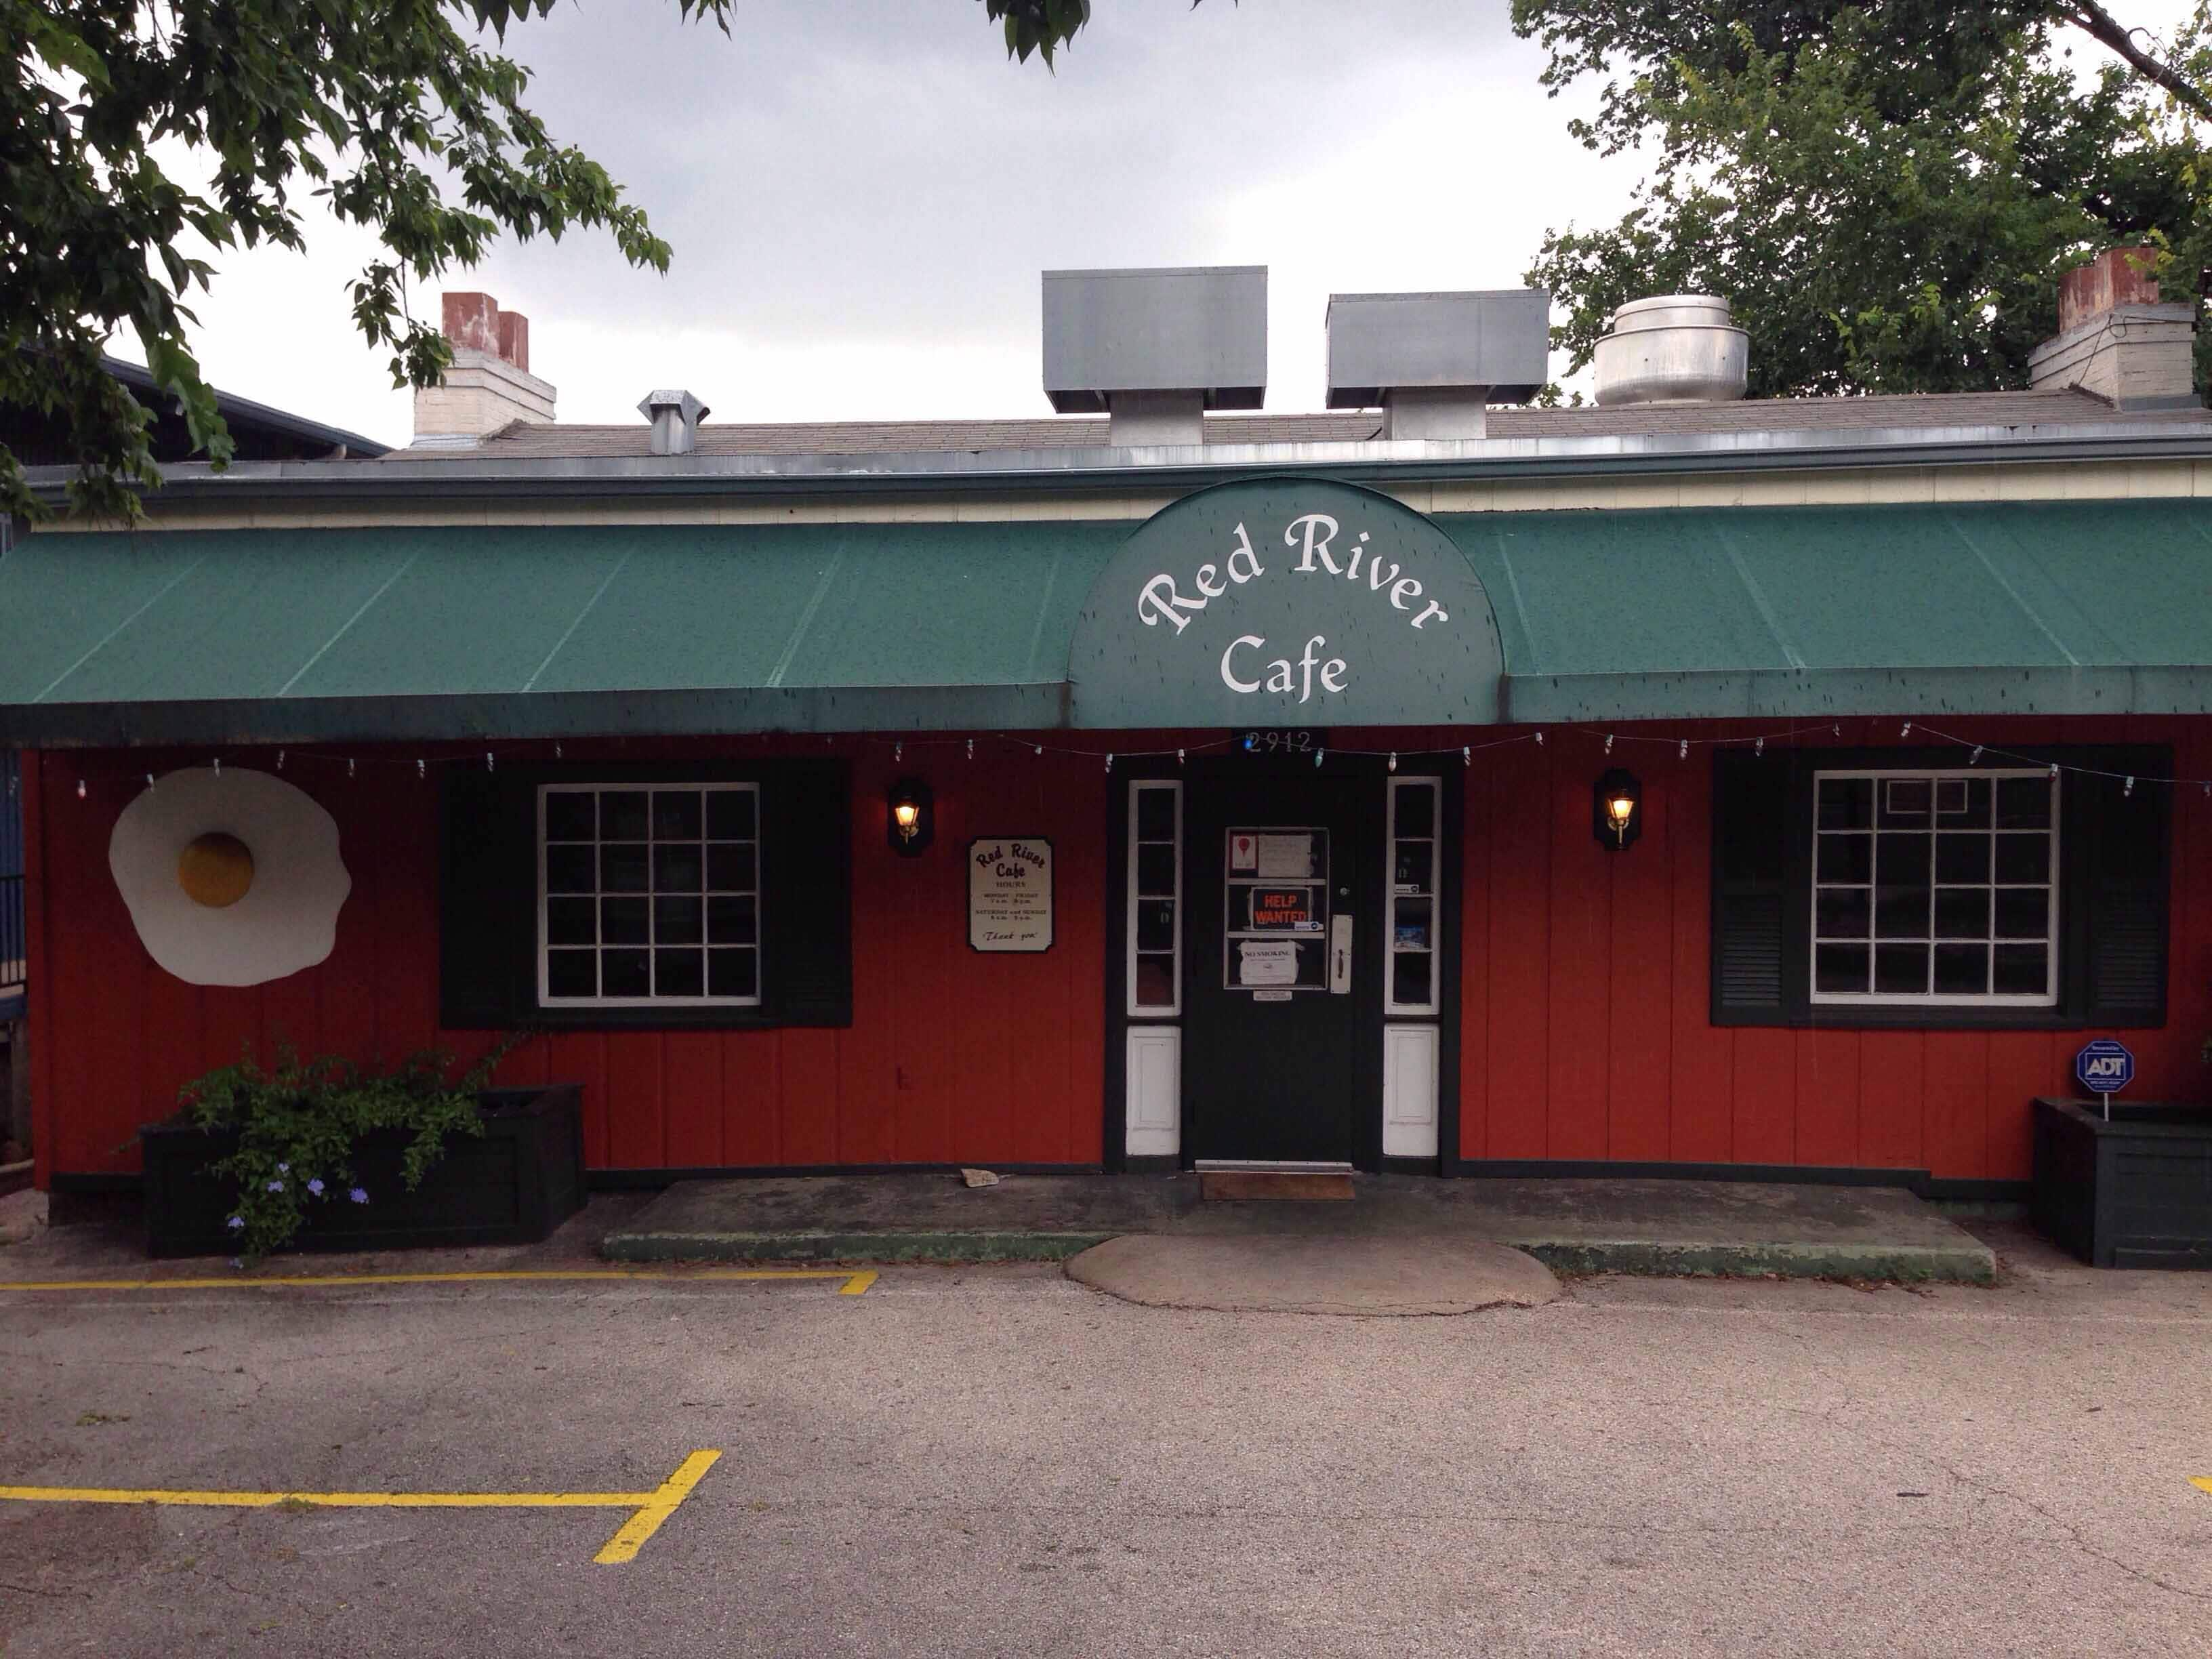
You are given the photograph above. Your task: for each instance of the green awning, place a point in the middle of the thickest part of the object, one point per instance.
(461, 632)
(2028, 607)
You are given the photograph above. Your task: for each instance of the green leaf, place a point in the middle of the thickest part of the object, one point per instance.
(64, 50)
(402, 118)
(1887, 197)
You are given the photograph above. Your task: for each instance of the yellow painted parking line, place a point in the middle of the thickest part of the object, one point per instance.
(649, 1509)
(623, 1547)
(856, 1283)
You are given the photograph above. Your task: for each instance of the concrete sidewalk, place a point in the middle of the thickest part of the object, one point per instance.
(1635, 1226)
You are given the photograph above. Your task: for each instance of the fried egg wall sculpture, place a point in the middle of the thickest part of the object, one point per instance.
(232, 878)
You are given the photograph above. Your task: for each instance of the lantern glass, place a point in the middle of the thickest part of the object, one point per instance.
(1617, 810)
(909, 829)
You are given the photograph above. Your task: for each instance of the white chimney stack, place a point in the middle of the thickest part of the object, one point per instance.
(489, 386)
(2116, 341)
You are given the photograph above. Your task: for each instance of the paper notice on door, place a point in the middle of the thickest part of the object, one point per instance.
(1286, 858)
(1267, 962)
(1243, 852)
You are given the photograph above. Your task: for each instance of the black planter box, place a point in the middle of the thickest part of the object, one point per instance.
(2133, 1193)
(512, 1185)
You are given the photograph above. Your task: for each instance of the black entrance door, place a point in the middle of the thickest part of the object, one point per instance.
(1282, 1029)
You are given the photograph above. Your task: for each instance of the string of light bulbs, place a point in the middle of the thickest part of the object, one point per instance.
(487, 758)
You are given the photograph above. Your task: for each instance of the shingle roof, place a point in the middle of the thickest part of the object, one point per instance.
(523, 441)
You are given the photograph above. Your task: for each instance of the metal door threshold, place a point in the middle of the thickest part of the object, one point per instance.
(1268, 1166)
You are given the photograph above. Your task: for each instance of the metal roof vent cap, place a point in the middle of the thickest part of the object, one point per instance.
(1672, 348)
(1155, 349)
(675, 417)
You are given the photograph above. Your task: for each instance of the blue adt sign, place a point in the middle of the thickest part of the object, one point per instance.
(2104, 1066)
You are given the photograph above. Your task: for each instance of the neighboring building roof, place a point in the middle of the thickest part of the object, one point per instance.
(460, 632)
(526, 441)
(259, 432)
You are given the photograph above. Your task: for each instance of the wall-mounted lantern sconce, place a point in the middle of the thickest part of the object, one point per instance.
(913, 818)
(1617, 810)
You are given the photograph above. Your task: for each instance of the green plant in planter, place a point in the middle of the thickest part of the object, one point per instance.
(298, 1127)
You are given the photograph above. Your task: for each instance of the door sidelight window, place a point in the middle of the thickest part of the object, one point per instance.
(1155, 965)
(1414, 833)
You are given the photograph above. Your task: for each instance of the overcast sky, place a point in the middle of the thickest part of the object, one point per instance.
(861, 194)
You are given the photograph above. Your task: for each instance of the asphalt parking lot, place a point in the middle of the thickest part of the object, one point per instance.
(1001, 1461)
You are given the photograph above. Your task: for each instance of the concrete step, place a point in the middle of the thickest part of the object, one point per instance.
(1577, 1225)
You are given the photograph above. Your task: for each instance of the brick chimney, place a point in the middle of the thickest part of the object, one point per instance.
(2116, 341)
(489, 385)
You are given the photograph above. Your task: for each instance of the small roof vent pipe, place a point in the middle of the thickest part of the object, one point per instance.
(675, 417)
(1672, 348)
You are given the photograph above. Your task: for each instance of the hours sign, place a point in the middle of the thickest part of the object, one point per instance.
(1010, 893)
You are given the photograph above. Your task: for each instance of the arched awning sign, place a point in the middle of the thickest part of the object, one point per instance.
(1286, 602)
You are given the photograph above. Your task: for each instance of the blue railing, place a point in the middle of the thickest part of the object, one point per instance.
(13, 967)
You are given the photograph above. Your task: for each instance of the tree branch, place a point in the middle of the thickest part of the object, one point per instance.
(2108, 30)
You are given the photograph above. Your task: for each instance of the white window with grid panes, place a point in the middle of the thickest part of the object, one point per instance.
(648, 896)
(1936, 888)
(1155, 901)
(1415, 950)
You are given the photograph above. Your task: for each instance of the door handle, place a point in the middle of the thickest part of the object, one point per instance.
(1340, 956)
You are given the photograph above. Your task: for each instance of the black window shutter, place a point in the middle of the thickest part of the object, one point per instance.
(806, 894)
(2125, 919)
(1751, 819)
(488, 896)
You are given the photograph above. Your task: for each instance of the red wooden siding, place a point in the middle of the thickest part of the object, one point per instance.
(1583, 990)
(952, 1056)
(1585, 999)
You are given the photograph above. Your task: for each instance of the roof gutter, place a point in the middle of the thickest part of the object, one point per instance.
(1174, 470)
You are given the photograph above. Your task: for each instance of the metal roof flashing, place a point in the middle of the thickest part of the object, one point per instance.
(483, 472)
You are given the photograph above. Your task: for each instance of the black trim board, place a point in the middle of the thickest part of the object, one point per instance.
(61, 1180)
(1407, 1166)
(623, 1181)
(1587, 1169)
(1920, 1182)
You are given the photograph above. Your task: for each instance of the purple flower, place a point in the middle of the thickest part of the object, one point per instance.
(275, 1186)
(316, 1186)
(358, 1196)
(284, 1169)
(236, 1224)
